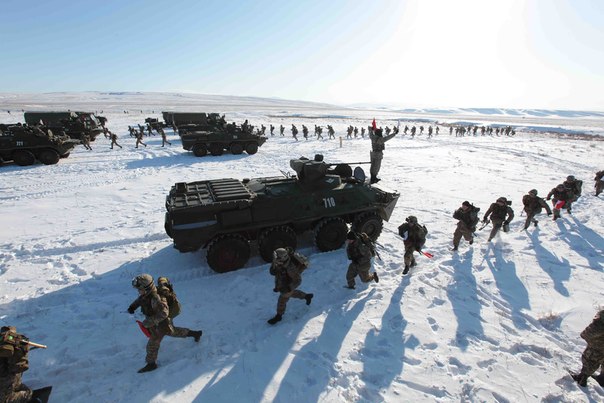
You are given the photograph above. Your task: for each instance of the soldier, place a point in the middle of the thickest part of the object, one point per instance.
(319, 133)
(429, 131)
(86, 141)
(13, 362)
(437, 130)
(450, 130)
(414, 237)
(406, 129)
(413, 130)
(262, 130)
(139, 140)
(532, 206)
(114, 140)
(164, 139)
(272, 130)
(295, 132)
(282, 130)
(245, 126)
(359, 250)
(593, 355)
(575, 186)
(349, 131)
(356, 132)
(599, 185)
(467, 215)
(287, 267)
(149, 129)
(561, 198)
(141, 129)
(421, 130)
(500, 214)
(362, 132)
(154, 306)
(331, 132)
(377, 152)
(305, 132)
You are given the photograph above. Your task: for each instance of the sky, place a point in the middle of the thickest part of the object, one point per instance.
(431, 53)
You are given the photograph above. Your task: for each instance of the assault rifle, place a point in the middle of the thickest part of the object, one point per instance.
(487, 222)
(13, 338)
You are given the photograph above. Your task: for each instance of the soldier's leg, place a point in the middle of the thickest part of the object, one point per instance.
(496, 226)
(365, 276)
(351, 274)
(592, 360)
(457, 237)
(599, 187)
(408, 256)
(282, 302)
(12, 390)
(529, 218)
(180, 332)
(298, 294)
(153, 346)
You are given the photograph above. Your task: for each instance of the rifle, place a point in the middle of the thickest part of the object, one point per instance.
(348, 163)
(487, 222)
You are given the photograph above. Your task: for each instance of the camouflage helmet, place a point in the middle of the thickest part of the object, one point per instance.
(502, 200)
(142, 282)
(570, 178)
(533, 192)
(561, 187)
(280, 256)
(411, 219)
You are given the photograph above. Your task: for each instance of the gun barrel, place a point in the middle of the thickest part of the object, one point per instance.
(31, 343)
(350, 163)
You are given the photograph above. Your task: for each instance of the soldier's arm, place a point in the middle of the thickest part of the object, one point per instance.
(389, 137)
(489, 211)
(510, 214)
(161, 309)
(134, 305)
(545, 206)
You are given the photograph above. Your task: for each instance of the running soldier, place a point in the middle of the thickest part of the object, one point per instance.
(305, 132)
(331, 132)
(561, 198)
(295, 132)
(139, 140)
(114, 140)
(532, 206)
(599, 185)
(287, 267)
(272, 128)
(500, 214)
(467, 215)
(362, 132)
(86, 142)
(359, 250)
(349, 131)
(414, 237)
(282, 130)
(377, 152)
(158, 318)
(574, 185)
(593, 355)
(164, 139)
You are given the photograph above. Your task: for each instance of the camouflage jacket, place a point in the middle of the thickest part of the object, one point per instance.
(594, 333)
(13, 355)
(565, 194)
(155, 308)
(534, 204)
(468, 217)
(288, 277)
(497, 212)
(413, 235)
(377, 142)
(358, 252)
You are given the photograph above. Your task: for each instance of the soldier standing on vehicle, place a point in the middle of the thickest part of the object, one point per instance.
(114, 140)
(500, 214)
(287, 267)
(377, 152)
(593, 355)
(599, 185)
(414, 237)
(360, 250)
(86, 141)
(533, 206)
(467, 215)
(154, 306)
(164, 139)
(139, 140)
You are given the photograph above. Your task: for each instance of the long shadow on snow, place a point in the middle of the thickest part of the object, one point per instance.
(462, 293)
(320, 355)
(587, 243)
(383, 354)
(95, 347)
(510, 287)
(557, 268)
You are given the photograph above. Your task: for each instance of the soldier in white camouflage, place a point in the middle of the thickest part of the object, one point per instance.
(154, 306)
(593, 356)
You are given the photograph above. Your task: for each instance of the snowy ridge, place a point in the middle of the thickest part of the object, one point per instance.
(496, 322)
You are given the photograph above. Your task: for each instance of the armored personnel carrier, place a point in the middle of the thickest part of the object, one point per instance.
(74, 124)
(25, 144)
(228, 216)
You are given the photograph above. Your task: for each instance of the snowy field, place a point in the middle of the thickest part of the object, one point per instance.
(495, 322)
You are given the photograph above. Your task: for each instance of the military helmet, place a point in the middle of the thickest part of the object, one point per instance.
(570, 178)
(280, 256)
(142, 282)
(502, 200)
(560, 187)
(533, 192)
(412, 219)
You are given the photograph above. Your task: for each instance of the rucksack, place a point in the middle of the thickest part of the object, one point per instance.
(165, 289)
(300, 261)
(473, 216)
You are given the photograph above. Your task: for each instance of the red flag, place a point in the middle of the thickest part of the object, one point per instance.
(427, 254)
(559, 204)
(143, 328)
(374, 126)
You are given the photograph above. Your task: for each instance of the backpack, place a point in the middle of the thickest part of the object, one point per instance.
(300, 261)
(13, 352)
(474, 219)
(368, 242)
(165, 289)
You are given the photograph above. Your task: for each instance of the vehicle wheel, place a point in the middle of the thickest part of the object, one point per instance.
(273, 238)
(49, 157)
(236, 148)
(23, 158)
(65, 155)
(330, 234)
(369, 223)
(251, 148)
(200, 150)
(228, 252)
(216, 149)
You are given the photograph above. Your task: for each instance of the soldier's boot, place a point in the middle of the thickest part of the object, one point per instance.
(152, 366)
(275, 319)
(375, 277)
(308, 298)
(406, 269)
(581, 379)
(350, 287)
(471, 241)
(556, 214)
(195, 334)
(599, 378)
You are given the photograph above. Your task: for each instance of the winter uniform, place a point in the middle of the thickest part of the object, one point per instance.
(467, 215)
(533, 206)
(377, 152)
(574, 185)
(13, 362)
(360, 251)
(500, 213)
(154, 306)
(599, 182)
(561, 198)
(414, 237)
(593, 356)
(287, 267)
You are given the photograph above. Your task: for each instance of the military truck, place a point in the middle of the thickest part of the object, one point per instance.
(195, 118)
(167, 118)
(228, 216)
(24, 144)
(74, 124)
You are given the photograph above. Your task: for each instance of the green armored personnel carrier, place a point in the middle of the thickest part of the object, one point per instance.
(74, 124)
(230, 216)
(26, 144)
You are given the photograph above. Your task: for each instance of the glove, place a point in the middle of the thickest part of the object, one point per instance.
(275, 289)
(131, 310)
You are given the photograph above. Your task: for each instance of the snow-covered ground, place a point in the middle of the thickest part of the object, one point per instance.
(495, 322)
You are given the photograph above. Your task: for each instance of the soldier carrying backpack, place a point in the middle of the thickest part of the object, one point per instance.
(532, 206)
(467, 215)
(360, 249)
(414, 237)
(500, 214)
